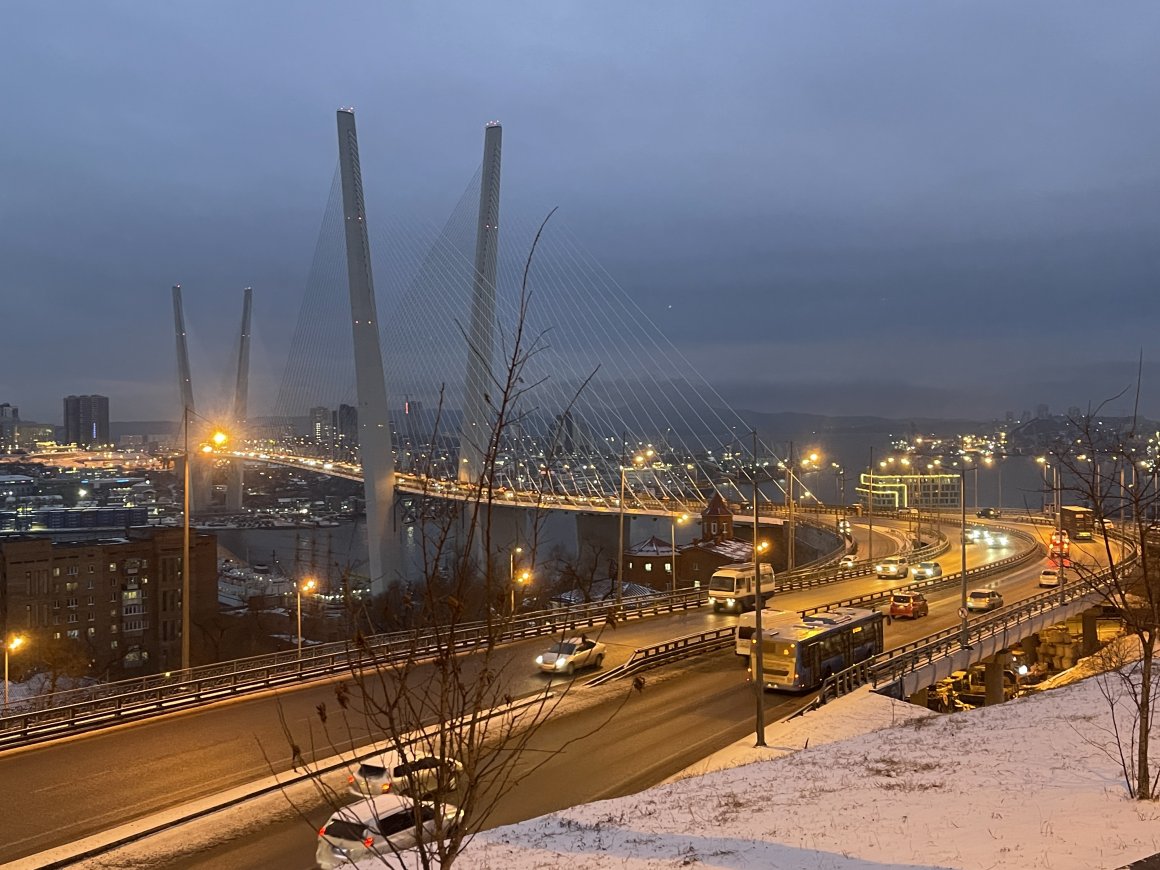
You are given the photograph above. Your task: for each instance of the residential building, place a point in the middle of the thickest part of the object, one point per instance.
(118, 598)
(86, 420)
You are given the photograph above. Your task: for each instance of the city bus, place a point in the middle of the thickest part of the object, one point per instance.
(747, 622)
(1078, 522)
(732, 588)
(801, 655)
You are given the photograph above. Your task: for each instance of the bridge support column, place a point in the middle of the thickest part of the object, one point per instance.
(993, 680)
(597, 539)
(1030, 646)
(1091, 633)
(236, 486)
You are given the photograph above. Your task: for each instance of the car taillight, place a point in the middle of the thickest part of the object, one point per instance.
(369, 841)
(322, 831)
(386, 787)
(350, 779)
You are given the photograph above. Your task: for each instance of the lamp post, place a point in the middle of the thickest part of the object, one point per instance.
(964, 634)
(13, 643)
(637, 461)
(524, 577)
(757, 645)
(512, 574)
(676, 521)
(307, 587)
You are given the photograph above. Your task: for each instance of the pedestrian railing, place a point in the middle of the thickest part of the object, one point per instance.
(669, 650)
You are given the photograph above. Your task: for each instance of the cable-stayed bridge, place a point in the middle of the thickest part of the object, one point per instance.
(487, 354)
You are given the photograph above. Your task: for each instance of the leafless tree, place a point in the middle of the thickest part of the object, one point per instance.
(447, 688)
(1110, 469)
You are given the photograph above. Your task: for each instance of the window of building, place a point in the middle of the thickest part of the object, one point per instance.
(74, 633)
(648, 566)
(91, 632)
(92, 616)
(112, 644)
(72, 617)
(668, 567)
(73, 570)
(714, 528)
(89, 584)
(56, 572)
(113, 567)
(92, 568)
(56, 604)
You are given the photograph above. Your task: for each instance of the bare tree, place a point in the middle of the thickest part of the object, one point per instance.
(1110, 470)
(447, 689)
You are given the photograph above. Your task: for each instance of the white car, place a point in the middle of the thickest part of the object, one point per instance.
(848, 561)
(984, 599)
(570, 655)
(894, 566)
(1049, 577)
(416, 776)
(378, 826)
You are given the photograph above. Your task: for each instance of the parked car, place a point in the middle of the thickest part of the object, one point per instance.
(381, 825)
(894, 566)
(416, 777)
(1049, 576)
(848, 561)
(983, 599)
(571, 655)
(912, 605)
(926, 570)
(989, 513)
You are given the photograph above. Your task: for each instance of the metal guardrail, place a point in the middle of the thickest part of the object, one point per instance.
(668, 650)
(892, 665)
(50, 716)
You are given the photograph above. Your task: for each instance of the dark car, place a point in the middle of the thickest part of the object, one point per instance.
(912, 605)
(989, 513)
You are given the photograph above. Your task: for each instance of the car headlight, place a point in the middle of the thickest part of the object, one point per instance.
(730, 601)
(539, 660)
(561, 662)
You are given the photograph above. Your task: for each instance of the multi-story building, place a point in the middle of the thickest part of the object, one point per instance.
(118, 598)
(346, 425)
(86, 420)
(9, 426)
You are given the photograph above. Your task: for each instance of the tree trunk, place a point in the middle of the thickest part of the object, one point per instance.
(1143, 771)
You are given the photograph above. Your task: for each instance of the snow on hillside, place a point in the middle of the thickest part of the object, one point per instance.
(1021, 785)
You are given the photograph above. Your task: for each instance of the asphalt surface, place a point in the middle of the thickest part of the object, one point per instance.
(60, 792)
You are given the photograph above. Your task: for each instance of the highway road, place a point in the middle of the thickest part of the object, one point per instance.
(685, 713)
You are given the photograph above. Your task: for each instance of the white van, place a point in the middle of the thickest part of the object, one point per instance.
(731, 587)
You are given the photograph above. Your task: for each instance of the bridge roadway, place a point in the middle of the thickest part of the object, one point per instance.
(58, 793)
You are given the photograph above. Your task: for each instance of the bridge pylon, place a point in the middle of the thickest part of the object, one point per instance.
(373, 421)
(476, 430)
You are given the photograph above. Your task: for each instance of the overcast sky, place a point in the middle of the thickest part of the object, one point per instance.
(946, 209)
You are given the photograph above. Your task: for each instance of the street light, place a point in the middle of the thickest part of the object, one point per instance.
(307, 587)
(523, 577)
(638, 461)
(676, 521)
(758, 642)
(512, 574)
(13, 643)
(219, 438)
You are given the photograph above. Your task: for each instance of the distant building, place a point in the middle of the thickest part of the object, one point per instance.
(1042, 412)
(346, 425)
(86, 420)
(119, 599)
(321, 427)
(9, 427)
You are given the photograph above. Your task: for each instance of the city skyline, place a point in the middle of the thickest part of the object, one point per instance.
(847, 203)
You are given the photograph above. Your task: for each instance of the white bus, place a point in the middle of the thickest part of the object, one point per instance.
(732, 588)
(771, 620)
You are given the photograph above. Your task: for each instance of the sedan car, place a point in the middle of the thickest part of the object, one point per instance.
(926, 570)
(989, 513)
(984, 599)
(416, 776)
(1049, 577)
(381, 825)
(912, 605)
(848, 561)
(894, 566)
(572, 654)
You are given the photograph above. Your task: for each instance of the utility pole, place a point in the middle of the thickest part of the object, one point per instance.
(757, 645)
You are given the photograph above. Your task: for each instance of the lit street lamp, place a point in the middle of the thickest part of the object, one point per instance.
(676, 521)
(219, 438)
(524, 577)
(307, 587)
(512, 574)
(638, 461)
(13, 643)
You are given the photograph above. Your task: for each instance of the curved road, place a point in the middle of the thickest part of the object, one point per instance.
(91, 783)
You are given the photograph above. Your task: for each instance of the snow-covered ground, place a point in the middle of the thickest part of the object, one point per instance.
(1020, 785)
(864, 783)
